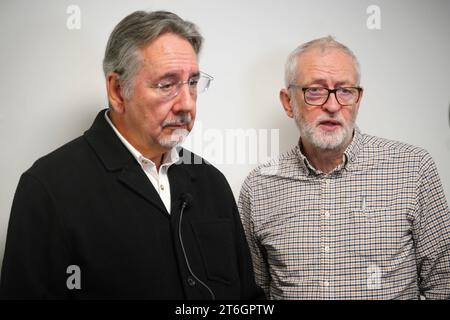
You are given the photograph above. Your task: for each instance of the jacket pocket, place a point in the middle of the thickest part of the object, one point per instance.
(217, 247)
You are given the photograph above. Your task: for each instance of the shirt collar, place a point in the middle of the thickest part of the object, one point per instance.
(169, 158)
(354, 149)
(349, 157)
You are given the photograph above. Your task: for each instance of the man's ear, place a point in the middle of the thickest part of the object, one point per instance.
(115, 92)
(286, 101)
(359, 101)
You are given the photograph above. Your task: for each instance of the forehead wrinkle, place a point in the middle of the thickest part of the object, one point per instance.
(170, 58)
(326, 64)
(158, 69)
(169, 53)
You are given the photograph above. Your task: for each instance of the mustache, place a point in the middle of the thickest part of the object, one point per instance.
(178, 120)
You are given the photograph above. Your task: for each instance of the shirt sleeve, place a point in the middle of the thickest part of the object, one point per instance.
(431, 232)
(260, 265)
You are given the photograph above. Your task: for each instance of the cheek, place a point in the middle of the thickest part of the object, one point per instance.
(310, 116)
(349, 115)
(193, 114)
(149, 115)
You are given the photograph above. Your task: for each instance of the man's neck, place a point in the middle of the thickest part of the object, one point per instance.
(155, 154)
(158, 161)
(325, 160)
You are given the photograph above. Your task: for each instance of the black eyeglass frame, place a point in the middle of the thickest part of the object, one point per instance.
(304, 89)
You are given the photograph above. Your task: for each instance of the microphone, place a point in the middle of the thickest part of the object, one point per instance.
(186, 201)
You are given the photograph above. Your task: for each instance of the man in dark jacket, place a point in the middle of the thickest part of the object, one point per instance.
(122, 212)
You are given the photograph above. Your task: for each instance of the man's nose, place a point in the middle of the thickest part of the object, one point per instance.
(332, 105)
(186, 99)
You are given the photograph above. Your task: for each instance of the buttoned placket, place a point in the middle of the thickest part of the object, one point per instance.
(164, 188)
(326, 259)
(160, 180)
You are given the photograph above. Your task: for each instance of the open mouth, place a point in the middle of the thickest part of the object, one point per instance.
(329, 124)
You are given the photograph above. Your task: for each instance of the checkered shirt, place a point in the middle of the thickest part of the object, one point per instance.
(377, 227)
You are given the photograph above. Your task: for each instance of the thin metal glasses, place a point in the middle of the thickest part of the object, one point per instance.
(169, 89)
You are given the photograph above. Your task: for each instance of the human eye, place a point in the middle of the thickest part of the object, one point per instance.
(166, 86)
(193, 81)
(316, 91)
(346, 91)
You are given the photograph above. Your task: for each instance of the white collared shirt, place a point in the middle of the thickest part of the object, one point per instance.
(159, 180)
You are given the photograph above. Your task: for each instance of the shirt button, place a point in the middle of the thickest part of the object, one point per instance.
(162, 187)
(327, 249)
(326, 284)
(191, 282)
(327, 214)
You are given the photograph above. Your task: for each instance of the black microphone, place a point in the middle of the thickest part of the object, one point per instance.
(186, 201)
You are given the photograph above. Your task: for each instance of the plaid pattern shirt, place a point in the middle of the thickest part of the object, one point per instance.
(377, 227)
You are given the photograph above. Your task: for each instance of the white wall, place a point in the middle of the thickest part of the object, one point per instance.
(51, 83)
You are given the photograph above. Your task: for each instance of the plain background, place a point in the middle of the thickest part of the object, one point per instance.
(52, 86)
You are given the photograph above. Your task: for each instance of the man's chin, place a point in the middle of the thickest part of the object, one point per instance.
(174, 139)
(335, 139)
(328, 141)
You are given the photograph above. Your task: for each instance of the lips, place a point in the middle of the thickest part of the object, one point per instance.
(175, 125)
(175, 128)
(329, 124)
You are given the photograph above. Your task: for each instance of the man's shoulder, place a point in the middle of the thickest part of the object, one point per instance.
(383, 147)
(70, 154)
(285, 161)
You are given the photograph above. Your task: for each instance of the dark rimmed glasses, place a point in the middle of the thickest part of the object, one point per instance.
(318, 96)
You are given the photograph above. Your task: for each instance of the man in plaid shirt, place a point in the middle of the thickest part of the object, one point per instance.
(344, 215)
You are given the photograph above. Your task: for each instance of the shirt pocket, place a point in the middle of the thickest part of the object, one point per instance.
(217, 248)
(375, 233)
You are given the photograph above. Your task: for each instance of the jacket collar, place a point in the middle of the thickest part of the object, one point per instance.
(110, 150)
(117, 158)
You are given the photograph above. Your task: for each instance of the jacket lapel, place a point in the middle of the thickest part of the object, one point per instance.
(134, 177)
(181, 181)
(116, 158)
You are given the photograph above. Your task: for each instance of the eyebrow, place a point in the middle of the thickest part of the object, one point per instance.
(324, 83)
(169, 75)
(172, 75)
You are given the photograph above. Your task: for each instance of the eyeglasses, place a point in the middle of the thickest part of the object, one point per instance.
(318, 96)
(169, 89)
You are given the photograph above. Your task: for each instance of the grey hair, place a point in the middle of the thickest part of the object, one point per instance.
(136, 31)
(324, 43)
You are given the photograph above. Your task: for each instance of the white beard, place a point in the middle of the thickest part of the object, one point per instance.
(176, 138)
(178, 135)
(323, 139)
